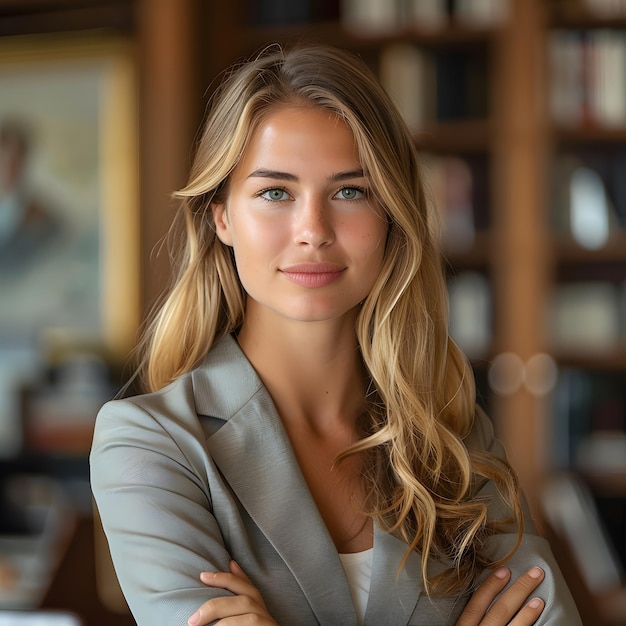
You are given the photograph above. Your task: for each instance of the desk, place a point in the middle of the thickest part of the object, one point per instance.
(37, 524)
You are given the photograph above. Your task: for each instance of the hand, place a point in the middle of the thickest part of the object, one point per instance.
(510, 607)
(246, 606)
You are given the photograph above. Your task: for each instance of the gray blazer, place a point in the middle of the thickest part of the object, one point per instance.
(202, 471)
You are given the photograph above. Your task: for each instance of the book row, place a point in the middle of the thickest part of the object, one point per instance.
(376, 17)
(588, 77)
(583, 318)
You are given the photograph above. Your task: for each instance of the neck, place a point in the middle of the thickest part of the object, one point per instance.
(312, 370)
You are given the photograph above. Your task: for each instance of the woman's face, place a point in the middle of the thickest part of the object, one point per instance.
(307, 236)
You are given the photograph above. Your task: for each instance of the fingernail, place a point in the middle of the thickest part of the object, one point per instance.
(535, 572)
(501, 572)
(207, 575)
(194, 619)
(535, 603)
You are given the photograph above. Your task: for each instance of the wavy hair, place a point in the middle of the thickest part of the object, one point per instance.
(421, 479)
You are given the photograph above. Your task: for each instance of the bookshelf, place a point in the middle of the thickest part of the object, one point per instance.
(511, 141)
(590, 138)
(587, 156)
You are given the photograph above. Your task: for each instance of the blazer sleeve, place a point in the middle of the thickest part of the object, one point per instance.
(560, 609)
(155, 508)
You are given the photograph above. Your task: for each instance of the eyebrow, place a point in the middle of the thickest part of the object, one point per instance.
(265, 173)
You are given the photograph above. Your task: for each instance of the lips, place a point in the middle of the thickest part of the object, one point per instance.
(313, 274)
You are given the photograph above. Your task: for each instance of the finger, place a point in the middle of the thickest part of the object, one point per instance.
(511, 601)
(483, 597)
(529, 614)
(239, 585)
(239, 620)
(234, 568)
(223, 607)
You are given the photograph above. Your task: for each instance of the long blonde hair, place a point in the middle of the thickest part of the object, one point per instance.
(421, 479)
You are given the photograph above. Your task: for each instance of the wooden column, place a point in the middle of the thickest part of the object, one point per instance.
(520, 253)
(170, 112)
(226, 41)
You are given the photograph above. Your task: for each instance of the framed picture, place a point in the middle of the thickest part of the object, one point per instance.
(69, 222)
(69, 268)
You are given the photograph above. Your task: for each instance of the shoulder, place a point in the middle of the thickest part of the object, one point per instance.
(218, 388)
(164, 422)
(159, 429)
(174, 402)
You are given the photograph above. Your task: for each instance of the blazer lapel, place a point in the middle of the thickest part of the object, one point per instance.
(253, 443)
(393, 593)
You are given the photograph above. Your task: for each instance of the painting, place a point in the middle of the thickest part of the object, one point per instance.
(69, 270)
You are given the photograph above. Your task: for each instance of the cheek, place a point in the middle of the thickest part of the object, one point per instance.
(256, 242)
(371, 240)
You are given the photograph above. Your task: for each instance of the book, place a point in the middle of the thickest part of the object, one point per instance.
(562, 167)
(606, 73)
(279, 12)
(617, 184)
(403, 74)
(427, 14)
(606, 8)
(449, 181)
(589, 210)
(461, 90)
(567, 84)
(588, 77)
(588, 183)
(584, 317)
(482, 13)
(470, 321)
(372, 17)
(572, 406)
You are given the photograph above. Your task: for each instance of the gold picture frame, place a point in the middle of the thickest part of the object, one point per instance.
(74, 279)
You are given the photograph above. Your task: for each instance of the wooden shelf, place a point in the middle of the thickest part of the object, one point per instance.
(456, 35)
(589, 134)
(462, 136)
(28, 17)
(577, 16)
(605, 360)
(568, 251)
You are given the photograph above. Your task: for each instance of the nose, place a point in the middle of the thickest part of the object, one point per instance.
(313, 224)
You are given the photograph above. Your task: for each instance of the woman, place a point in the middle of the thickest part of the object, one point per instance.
(308, 420)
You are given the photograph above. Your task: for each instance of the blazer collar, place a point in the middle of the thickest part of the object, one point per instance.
(394, 592)
(226, 386)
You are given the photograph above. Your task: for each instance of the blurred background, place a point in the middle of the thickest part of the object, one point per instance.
(519, 110)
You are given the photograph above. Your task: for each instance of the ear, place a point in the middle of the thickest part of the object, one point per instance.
(222, 227)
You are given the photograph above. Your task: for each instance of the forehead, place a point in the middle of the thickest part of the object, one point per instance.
(301, 132)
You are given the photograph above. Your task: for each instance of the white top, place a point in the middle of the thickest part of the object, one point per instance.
(358, 568)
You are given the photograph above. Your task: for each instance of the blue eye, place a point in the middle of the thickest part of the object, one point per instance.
(274, 194)
(351, 193)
